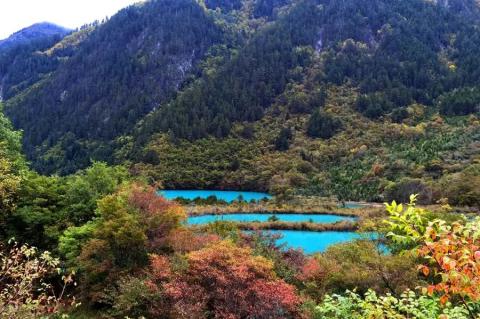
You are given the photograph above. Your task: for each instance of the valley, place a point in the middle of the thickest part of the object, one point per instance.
(243, 159)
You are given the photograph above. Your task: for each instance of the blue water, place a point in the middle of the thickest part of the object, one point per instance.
(315, 242)
(316, 218)
(227, 196)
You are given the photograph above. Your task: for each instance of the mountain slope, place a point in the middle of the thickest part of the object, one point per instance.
(246, 84)
(33, 33)
(125, 68)
(391, 50)
(354, 99)
(21, 60)
(378, 79)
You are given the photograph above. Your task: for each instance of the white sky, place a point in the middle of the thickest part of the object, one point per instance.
(18, 14)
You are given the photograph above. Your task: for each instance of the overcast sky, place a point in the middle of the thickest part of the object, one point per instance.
(18, 14)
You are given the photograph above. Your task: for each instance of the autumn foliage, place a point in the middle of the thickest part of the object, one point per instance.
(449, 252)
(453, 255)
(132, 223)
(25, 291)
(160, 216)
(224, 281)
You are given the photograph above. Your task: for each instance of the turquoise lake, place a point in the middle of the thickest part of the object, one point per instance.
(309, 241)
(316, 218)
(227, 196)
(315, 242)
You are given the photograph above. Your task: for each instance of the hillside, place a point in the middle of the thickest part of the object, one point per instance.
(21, 60)
(120, 72)
(362, 108)
(306, 82)
(33, 33)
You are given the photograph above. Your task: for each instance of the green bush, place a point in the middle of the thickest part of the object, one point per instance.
(460, 102)
(463, 188)
(282, 142)
(406, 186)
(362, 265)
(323, 125)
(132, 298)
(408, 305)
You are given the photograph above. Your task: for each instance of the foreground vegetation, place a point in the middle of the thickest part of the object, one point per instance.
(118, 250)
(137, 259)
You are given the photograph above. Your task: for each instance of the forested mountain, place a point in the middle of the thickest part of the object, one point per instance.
(21, 60)
(308, 83)
(33, 33)
(121, 71)
(394, 62)
(334, 104)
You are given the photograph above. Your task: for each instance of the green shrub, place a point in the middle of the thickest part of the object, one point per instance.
(402, 190)
(409, 305)
(463, 188)
(132, 298)
(361, 265)
(323, 125)
(460, 102)
(282, 142)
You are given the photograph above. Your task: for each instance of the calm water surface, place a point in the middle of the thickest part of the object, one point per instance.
(227, 196)
(315, 242)
(310, 242)
(242, 217)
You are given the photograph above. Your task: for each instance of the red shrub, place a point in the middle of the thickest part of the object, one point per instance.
(226, 281)
(161, 216)
(311, 270)
(184, 240)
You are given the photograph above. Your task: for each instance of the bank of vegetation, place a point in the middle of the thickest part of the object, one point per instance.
(345, 226)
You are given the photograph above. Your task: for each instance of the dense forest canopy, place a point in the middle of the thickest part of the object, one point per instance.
(120, 72)
(392, 62)
(288, 76)
(21, 60)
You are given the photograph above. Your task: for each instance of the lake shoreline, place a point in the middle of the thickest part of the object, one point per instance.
(205, 210)
(354, 214)
(343, 226)
(283, 209)
(301, 226)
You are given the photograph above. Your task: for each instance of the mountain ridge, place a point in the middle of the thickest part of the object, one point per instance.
(33, 32)
(129, 90)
